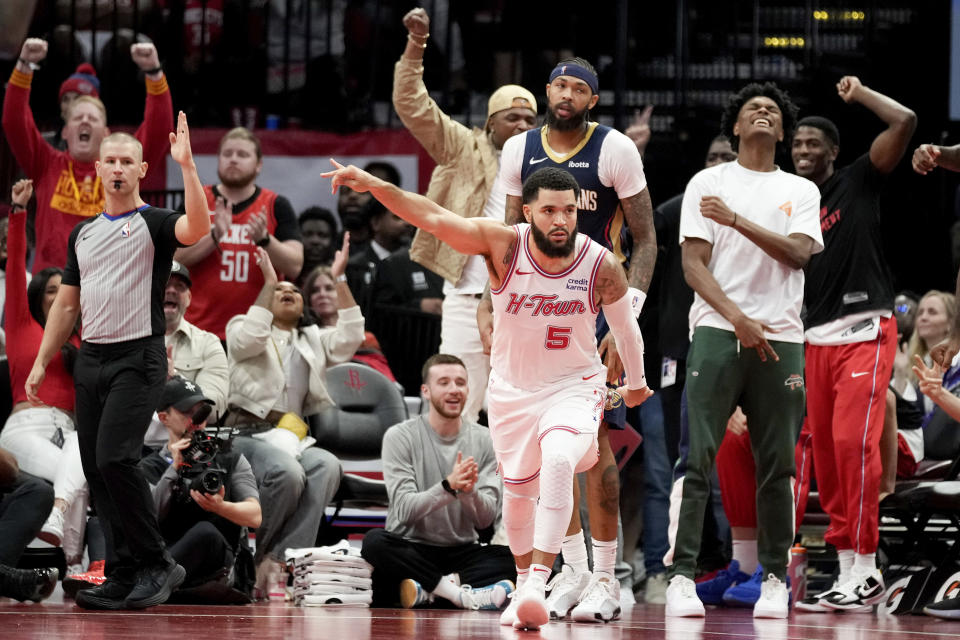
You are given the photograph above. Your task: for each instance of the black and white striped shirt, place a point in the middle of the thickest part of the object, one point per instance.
(121, 264)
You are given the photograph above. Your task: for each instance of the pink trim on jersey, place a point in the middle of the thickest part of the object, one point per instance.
(593, 279)
(575, 432)
(507, 480)
(544, 272)
(513, 265)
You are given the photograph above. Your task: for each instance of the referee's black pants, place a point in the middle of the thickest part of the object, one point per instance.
(118, 388)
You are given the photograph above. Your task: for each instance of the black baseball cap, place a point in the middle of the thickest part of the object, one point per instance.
(178, 269)
(181, 394)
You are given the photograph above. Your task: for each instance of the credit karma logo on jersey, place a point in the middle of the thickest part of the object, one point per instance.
(544, 305)
(578, 284)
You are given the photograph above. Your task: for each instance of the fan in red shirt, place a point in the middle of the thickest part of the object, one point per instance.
(66, 183)
(243, 216)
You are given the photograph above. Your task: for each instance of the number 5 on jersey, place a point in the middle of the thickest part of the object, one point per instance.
(558, 337)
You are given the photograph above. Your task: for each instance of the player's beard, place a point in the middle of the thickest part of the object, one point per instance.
(571, 123)
(548, 248)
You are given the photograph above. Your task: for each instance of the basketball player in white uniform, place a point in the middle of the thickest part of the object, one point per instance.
(547, 388)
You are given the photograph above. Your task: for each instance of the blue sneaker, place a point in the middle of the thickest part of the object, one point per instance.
(711, 591)
(747, 593)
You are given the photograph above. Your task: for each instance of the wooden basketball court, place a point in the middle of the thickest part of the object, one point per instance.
(60, 619)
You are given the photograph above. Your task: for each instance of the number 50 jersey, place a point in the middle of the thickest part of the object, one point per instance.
(545, 323)
(226, 282)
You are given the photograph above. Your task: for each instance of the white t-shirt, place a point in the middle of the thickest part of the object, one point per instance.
(619, 165)
(474, 277)
(766, 290)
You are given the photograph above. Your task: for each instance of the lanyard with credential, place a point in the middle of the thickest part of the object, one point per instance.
(76, 188)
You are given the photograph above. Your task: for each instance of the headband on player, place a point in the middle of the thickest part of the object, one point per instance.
(577, 71)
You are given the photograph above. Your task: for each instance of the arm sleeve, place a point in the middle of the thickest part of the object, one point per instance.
(621, 166)
(71, 272)
(692, 222)
(511, 162)
(626, 332)
(443, 138)
(153, 132)
(243, 484)
(29, 148)
(483, 503)
(806, 218)
(406, 500)
(287, 226)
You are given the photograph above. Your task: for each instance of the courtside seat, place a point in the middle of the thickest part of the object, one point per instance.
(367, 404)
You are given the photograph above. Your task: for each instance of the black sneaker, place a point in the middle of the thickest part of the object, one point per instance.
(856, 593)
(109, 596)
(27, 584)
(949, 609)
(155, 585)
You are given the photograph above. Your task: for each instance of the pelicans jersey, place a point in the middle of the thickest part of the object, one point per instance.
(545, 322)
(606, 165)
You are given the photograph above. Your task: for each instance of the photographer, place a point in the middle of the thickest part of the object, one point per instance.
(203, 530)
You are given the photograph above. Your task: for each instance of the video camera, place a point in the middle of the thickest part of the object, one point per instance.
(199, 470)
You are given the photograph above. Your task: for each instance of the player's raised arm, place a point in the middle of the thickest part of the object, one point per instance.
(472, 236)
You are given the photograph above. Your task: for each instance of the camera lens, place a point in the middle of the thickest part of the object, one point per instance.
(211, 481)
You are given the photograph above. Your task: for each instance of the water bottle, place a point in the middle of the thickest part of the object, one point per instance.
(798, 573)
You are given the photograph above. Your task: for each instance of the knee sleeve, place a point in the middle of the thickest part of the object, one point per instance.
(560, 452)
(519, 507)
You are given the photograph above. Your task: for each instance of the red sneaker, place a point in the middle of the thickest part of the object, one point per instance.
(94, 577)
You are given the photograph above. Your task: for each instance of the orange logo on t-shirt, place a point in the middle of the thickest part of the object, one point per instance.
(83, 198)
(787, 208)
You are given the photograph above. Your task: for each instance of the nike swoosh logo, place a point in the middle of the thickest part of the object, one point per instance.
(857, 375)
(532, 161)
(593, 376)
(524, 273)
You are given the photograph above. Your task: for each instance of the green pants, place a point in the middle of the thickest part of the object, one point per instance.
(722, 374)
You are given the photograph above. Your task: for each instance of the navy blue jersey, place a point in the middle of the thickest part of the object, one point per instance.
(599, 214)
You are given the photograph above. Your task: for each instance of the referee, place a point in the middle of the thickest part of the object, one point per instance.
(118, 263)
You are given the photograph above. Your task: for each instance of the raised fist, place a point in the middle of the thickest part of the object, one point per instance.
(145, 55)
(34, 50)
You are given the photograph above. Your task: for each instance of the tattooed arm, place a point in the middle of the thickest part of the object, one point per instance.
(638, 214)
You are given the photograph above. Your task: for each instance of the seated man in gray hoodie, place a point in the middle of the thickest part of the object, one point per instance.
(441, 476)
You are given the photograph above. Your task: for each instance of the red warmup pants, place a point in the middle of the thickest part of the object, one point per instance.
(846, 399)
(738, 478)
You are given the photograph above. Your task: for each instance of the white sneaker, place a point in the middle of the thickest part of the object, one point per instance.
(565, 590)
(774, 600)
(656, 589)
(600, 600)
(863, 589)
(491, 597)
(509, 616)
(52, 531)
(682, 600)
(531, 605)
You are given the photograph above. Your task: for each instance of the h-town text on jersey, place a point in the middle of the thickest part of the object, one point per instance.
(545, 305)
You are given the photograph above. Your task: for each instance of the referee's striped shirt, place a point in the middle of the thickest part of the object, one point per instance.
(121, 264)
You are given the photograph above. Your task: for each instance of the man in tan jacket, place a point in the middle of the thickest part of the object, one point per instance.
(467, 162)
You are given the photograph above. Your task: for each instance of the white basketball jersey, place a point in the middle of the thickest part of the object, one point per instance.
(545, 323)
